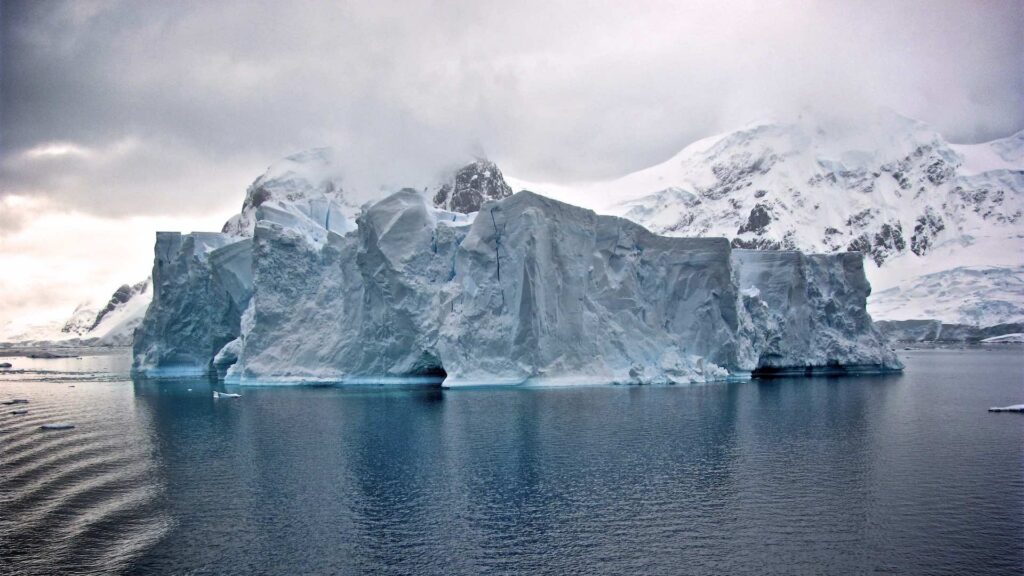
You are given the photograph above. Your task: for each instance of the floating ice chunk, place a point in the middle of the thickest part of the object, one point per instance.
(1014, 408)
(225, 395)
(1015, 338)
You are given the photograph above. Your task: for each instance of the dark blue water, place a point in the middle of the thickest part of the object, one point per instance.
(898, 474)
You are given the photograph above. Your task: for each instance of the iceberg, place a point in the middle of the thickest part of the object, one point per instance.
(528, 290)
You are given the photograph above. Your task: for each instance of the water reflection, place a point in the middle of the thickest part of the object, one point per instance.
(856, 474)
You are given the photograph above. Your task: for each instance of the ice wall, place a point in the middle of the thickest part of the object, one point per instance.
(549, 292)
(361, 308)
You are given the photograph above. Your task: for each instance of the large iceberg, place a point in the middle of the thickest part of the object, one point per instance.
(528, 290)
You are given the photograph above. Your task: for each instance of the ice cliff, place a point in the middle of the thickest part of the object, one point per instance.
(201, 284)
(530, 290)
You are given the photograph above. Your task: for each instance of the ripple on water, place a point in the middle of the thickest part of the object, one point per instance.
(83, 501)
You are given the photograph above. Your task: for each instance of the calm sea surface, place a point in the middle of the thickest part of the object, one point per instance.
(898, 474)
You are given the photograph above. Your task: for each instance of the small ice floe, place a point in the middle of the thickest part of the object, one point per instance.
(1014, 338)
(1014, 408)
(15, 401)
(225, 395)
(19, 412)
(57, 426)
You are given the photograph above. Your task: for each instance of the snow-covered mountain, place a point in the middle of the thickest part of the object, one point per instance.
(892, 188)
(105, 323)
(115, 323)
(971, 295)
(81, 320)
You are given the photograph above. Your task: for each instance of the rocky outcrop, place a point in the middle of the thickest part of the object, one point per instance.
(471, 186)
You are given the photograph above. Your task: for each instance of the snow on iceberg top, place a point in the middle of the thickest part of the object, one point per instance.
(304, 190)
(309, 193)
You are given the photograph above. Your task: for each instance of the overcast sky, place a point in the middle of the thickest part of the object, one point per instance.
(120, 117)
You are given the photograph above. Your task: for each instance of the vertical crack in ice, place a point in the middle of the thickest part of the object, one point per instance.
(497, 255)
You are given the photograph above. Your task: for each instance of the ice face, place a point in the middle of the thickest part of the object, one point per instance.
(200, 287)
(548, 292)
(532, 291)
(809, 311)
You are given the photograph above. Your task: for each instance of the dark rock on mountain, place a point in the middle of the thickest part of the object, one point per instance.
(471, 186)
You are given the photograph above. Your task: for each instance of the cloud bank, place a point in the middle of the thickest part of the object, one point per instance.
(158, 106)
(118, 109)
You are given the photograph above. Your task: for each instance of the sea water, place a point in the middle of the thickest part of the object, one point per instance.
(903, 474)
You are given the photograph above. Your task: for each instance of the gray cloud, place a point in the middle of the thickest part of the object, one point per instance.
(124, 108)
